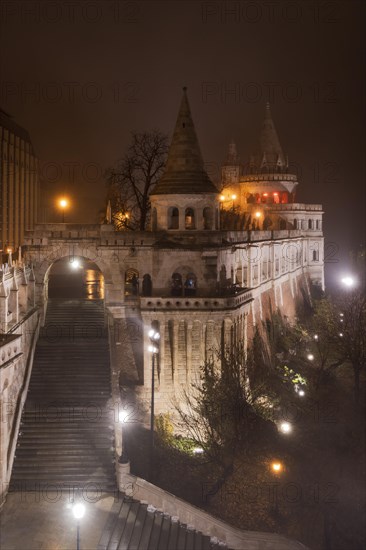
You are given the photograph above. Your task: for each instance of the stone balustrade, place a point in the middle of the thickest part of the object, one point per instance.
(195, 303)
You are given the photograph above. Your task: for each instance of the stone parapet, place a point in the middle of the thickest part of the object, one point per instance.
(200, 520)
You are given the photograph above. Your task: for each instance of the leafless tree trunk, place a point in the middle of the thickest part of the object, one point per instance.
(131, 182)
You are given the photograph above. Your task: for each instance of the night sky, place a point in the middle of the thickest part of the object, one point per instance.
(81, 76)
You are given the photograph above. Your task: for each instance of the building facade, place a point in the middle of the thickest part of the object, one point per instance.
(213, 266)
(19, 184)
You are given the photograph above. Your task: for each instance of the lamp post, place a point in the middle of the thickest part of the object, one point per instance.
(63, 204)
(122, 417)
(348, 281)
(154, 337)
(78, 510)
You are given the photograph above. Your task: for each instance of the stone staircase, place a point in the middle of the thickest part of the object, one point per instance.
(133, 525)
(67, 432)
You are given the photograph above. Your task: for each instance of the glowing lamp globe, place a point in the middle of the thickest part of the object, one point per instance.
(78, 510)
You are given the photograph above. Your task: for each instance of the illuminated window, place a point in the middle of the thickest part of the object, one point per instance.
(189, 219)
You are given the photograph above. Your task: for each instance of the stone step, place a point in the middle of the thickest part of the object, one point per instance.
(60, 445)
(71, 378)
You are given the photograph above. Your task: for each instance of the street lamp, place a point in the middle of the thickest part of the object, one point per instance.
(348, 281)
(153, 348)
(285, 427)
(75, 263)
(79, 511)
(63, 204)
(122, 417)
(276, 467)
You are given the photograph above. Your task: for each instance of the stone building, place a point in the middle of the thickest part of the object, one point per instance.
(19, 186)
(213, 265)
(225, 259)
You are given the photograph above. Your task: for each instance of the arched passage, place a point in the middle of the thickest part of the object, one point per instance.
(75, 278)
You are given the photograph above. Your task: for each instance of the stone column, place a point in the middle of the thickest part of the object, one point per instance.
(4, 307)
(162, 354)
(189, 326)
(13, 301)
(182, 219)
(250, 269)
(198, 212)
(175, 351)
(227, 332)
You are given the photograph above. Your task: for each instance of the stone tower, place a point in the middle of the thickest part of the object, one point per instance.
(230, 172)
(184, 198)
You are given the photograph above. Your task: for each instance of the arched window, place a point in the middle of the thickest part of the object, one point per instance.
(173, 218)
(310, 224)
(177, 284)
(154, 220)
(131, 282)
(190, 285)
(267, 222)
(146, 285)
(207, 218)
(189, 219)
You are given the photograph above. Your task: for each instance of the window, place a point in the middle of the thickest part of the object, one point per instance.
(207, 218)
(189, 219)
(146, 285)
(310, 224)
(131, 282)
(190, 285)
(177, 285)
(173, 218)
(282, 224)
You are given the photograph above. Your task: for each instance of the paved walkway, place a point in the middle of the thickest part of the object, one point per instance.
(33, 521)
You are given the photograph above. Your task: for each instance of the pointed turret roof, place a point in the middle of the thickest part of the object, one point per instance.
(184, 170)
(271, 157)
(232, 156)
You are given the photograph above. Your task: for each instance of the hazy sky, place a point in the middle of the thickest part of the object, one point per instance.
(80, 76)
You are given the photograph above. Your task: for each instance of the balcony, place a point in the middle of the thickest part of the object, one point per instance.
(199, 303)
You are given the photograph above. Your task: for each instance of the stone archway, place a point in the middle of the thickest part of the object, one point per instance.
(43, 260)
(74, 278)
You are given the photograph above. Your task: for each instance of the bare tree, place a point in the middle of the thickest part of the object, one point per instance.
(353, 339)
(223, 410)
(131, 182)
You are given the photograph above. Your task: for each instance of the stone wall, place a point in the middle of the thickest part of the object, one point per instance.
(16, 358)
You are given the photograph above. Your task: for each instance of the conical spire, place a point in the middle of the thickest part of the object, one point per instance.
(184, 170)
(232, 156)
(271, 154)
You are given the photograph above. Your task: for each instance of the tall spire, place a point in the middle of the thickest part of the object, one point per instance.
(232, 156)
(184, 170)
(271, 154)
